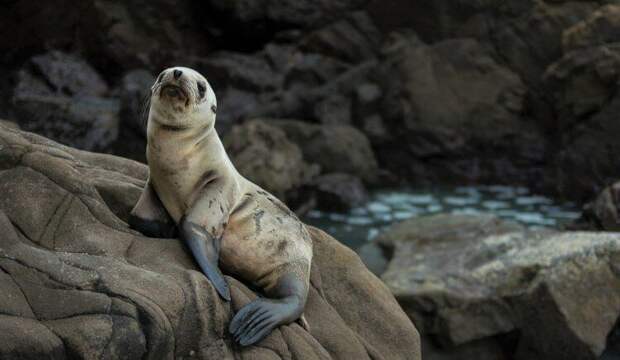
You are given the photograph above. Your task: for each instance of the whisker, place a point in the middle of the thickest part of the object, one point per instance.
(144, 112)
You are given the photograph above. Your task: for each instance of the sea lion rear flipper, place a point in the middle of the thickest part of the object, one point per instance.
(257, 319)
(150, 217)
(205, 249)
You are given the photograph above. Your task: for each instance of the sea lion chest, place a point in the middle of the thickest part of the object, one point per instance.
(176, 164)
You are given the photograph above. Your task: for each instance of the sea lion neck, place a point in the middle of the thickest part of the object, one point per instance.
(158, 133)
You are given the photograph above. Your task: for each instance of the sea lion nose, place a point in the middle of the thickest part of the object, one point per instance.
(177, 73)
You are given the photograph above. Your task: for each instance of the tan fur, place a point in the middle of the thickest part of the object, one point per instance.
(193, 176)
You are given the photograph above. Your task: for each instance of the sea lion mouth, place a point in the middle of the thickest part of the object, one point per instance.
(174, 92)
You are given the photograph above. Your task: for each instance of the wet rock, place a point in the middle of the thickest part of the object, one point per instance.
(264, 154)
(459, 112)
(61, 96)
(336, 148)
(80, 284)
(602, 213)
(467, 279)
(338, 191)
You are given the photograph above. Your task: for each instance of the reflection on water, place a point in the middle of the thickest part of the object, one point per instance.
(388, 206)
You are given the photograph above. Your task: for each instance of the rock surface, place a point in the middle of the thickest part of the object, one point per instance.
(511, 92)
(601, 214)
(459, 112)
(479, 287)
(76, 282)
(263, 153)
(336, 148)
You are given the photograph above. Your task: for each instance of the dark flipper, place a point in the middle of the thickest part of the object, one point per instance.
(257, 319)
(150, 216)
(205, 249)
(153, 228)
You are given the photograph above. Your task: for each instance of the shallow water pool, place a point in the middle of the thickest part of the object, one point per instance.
(385, 207)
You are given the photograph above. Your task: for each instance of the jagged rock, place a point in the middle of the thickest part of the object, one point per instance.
(336, 148)
(529, 294)
(61, 96)
(76, 282)
(263, 153)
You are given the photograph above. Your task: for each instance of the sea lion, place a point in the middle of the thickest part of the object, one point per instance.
(225, 220)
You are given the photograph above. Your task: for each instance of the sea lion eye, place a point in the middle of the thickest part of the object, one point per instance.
(201, 89)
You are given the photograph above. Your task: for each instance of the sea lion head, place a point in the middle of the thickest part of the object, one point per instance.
(182, 98)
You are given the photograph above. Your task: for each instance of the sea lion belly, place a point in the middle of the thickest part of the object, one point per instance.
(263, 239)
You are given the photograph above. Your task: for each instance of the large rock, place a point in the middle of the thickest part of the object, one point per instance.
(336, 148)
(582, 87)
(457, 113)
(61, 96)
(76, 282)
(601, 214)
(476, 283)
(263, 153)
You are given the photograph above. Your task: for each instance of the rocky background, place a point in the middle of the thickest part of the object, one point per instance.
(453, 92)
(321, 100)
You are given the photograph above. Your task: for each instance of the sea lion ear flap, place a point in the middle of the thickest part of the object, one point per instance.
(214, 108)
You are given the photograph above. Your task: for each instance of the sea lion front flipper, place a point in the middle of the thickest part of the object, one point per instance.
(206, 250)
(150, 217)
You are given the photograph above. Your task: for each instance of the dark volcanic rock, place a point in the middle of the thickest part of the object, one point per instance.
(76, 282)
(476, 282)
(61, 96)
